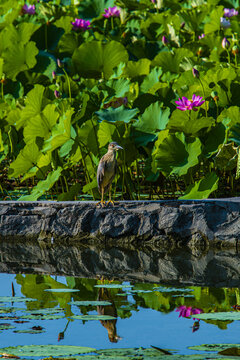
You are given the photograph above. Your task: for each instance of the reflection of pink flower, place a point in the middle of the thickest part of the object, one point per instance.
(186, 104)
(28, 9)
(230, 12)
(80, 24)
(111, 11)
(185, 311)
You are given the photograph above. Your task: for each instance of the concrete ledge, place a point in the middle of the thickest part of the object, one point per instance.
(203, 223)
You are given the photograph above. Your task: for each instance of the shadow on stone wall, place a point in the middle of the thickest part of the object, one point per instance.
(145, 264)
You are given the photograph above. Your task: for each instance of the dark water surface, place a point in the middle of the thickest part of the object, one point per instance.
(146, 313)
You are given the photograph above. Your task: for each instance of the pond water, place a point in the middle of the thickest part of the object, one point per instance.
(42, 309)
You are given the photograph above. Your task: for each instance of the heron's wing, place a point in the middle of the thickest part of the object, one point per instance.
(100, 172)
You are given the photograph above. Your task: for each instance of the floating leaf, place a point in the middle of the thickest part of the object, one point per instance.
(47, 350)
(223, 316)
(169, 289)
(92, 317)
(90, 303)
(113, 286)
(64, 290)
(14, 299)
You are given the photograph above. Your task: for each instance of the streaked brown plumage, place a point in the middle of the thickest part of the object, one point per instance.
(107, 170)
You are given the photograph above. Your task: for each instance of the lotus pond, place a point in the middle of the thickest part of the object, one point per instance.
(43, 316)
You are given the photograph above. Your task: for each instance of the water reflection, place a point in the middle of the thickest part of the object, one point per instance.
(39, 301)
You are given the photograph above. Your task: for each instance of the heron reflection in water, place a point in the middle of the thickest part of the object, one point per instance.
(110, 310)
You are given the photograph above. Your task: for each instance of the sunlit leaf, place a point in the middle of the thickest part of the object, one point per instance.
(203, 188)
(113, 115)
(47, 350)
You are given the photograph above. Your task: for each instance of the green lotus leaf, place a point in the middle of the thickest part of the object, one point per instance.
(91, 303)
(26, 160)
(215, 138)
(93, 8)
(18, 58)
(71, 194)
(214, 20)
(171, 61)
(44, 311)
(46, 64)
(61, 132)
(113, 115)
(203, 188)
(41, 125)
(95, 59)
(150, 80)
(180, 121)
(87, 135)
(193, 18)
(137, 68)
(153, 119)
(46, 350)
(174, 154)
(120, 86)
(226, 158)
(68, 43)
(43, 186)
(92, 317)
(105, 133)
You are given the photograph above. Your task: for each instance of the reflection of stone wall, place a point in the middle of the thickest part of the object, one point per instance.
(164, 223)
(213, 268)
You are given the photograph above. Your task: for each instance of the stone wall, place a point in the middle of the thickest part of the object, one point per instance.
(210, 223)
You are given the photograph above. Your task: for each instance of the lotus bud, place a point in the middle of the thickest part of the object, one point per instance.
(225, 43)
(182, 25)
(235, 50)
(59, 63)
(53, 75)
(57, 94)
(214, 95)
(165, 40)
(195, 73)
(200, 51)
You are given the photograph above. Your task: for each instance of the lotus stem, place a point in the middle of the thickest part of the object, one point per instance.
(69, 86)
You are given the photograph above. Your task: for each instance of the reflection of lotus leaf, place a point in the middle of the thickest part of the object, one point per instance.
(165, 289)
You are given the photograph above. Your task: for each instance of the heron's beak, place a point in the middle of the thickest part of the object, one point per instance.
(118, 147)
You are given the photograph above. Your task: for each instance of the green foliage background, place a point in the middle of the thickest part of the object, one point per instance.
(52, 146)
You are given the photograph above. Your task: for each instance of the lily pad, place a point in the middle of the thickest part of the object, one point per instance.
(223, 316)
(93, 317)
(92, 303)
(42, 317)
(212, 347)
(113, 286)
(29, 331)
(6, 326)
(164, 289)
(61, 290)
(44, 311)
(46, 350)
(15, 299)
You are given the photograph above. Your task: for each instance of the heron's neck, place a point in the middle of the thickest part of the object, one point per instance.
(112, 153)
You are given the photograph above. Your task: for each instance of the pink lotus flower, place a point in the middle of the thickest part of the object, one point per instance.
(111, 11)
(28, 9)
(230, 12)
(186, 104)
(80, 24)
(185, 311)
(201, 36)
(224, 23)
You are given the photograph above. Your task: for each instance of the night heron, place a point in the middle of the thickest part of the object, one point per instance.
(106, 171)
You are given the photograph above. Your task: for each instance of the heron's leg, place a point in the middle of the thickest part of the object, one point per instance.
(110, 201)
(102, 203)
